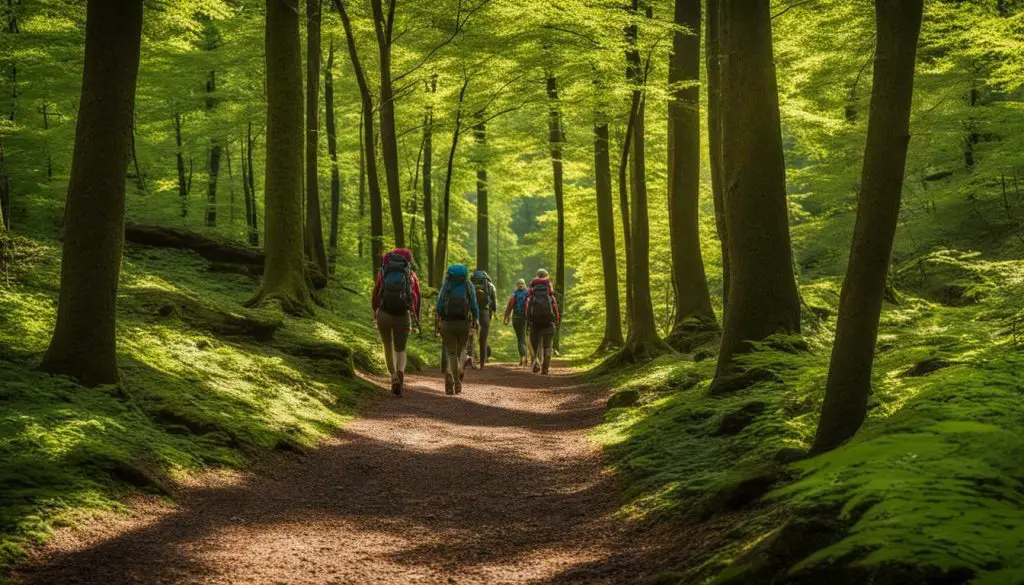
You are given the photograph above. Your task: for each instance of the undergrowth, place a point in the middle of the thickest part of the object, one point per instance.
(193, 398)
(931, 488)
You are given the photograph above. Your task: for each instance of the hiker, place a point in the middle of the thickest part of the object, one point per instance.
(542, 316)
(396, 307)
(457, 309)
(516, 309)
(487, 300)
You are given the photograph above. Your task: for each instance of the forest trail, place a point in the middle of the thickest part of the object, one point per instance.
(497, 486)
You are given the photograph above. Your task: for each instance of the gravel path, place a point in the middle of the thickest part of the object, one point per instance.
(497, 486)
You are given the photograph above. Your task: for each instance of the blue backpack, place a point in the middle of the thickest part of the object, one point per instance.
(396, 285)
(456, 294)
(520, 307)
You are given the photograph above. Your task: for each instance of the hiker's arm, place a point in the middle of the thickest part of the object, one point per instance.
(509, 307)
(375, 301)
(416, 298)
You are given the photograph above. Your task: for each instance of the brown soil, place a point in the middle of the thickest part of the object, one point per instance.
(497, 486)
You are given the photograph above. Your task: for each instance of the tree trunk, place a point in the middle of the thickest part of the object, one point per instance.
(632, 70)
(362, 178)
(383, 26)
(284, 278)
(5, 191)
(180, 156)
(370, 149)
(606, 233)
(231, 184)
(332, 149)
(84, 343)
(211, 41)
(140, 179)
(860, 304)
(314, 238)
(643, 342)
(763, 298)
(254, 227)
(694, 315)
(441, 257)
(714, 67)
(428, 186)
(556, 138)
(483, 234)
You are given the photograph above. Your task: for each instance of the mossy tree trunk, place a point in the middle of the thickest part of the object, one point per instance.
(606, 233)
(483, 235)
(694, 315)
(369, 150)
(712, 52)
(316, 251)
(84, 343)
(878, 204)
(284, 277)
(332, 150)
(763, 297)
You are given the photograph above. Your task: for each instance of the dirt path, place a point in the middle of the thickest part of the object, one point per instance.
(499, 485)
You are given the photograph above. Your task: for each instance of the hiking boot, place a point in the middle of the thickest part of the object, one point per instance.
(400, 384)
(544, 371)
(536, 367)
(458, 386)
(449, 385)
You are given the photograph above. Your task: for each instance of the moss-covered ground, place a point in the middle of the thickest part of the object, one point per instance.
(930, 491)
(195, 395)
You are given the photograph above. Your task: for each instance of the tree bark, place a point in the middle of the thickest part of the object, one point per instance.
(84, 343)
(180, 156)
(714, 59)
(284, 278)
(369, 149)
(314, 238)
(694, 315)
(885, 155)
(362, 178)
(441, 257)
(332, 149)
(428, 182)
(383, 26)
(483, 234)
(606, 233)
(211, 40)
(556, 138)
(5, 191)
(763, 298)
(643, 342)
(254, 226)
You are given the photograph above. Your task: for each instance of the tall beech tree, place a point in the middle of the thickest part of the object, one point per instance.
(332, 150)
(441, 255)
(483, 235)
(556, 138)
(284, 275)
(428, 182)
(606, 232)
(712, 53)
(763, 298)
(84, 343)
(643, 342)
(369, 157)
(211, 40)
(694, 314)
(383, 26)
(878, 205)
(314, 238)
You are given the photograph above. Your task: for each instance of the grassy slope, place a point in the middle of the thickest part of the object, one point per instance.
(930, 491)
(195, 399)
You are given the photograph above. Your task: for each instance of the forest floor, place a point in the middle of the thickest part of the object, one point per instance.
(499, 485)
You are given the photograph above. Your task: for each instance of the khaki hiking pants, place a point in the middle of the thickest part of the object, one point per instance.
(394, 333)
(454, 339)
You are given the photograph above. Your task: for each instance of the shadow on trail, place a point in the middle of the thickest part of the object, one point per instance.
(475, 487)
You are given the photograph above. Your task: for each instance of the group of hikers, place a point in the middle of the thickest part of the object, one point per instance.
(466, 304)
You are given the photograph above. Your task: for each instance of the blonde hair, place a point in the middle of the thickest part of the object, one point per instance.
(541, 273)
